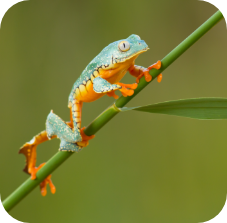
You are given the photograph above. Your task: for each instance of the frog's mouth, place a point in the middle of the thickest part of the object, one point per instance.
(131, 56)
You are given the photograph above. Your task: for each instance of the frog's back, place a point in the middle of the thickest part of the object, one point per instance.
(83, 86)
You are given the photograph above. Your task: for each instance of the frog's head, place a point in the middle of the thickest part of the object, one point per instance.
(123, 50)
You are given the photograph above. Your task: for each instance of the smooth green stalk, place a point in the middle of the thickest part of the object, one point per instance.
(108, 114)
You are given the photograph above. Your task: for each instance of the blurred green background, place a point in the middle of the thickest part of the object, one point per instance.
(140, 167)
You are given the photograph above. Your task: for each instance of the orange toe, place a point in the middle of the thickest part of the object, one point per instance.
(147, 76)
(32, 171)
(43, 186)
(159, 78)
(52, 187)
(127, 89)
(126, 92)
(155, 66)
(112, 94)
(130, 86)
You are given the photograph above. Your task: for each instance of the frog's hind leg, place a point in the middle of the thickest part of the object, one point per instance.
(29, 150)
(76, 111)
(55, 126)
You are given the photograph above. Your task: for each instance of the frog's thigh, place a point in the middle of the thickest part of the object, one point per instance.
(56, 126)
(101, 85)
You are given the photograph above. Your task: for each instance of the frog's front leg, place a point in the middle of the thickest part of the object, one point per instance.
(139, 72)
(101, 85)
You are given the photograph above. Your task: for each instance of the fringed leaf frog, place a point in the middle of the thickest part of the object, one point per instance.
(101, 77)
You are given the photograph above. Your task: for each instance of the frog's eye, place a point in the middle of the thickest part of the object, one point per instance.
(124, 46)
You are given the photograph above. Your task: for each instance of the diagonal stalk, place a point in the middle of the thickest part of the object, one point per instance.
(108, 114)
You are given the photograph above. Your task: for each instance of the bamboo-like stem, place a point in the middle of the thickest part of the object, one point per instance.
(108, 114)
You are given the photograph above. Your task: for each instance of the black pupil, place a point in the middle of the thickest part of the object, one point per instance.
(124, 45)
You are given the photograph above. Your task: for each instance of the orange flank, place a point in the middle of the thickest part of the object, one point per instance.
(87, 94)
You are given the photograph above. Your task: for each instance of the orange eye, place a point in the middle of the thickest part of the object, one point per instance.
(124, 46)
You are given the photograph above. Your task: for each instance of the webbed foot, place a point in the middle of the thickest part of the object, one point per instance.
(127, 89)
(44, 183)
(85, 138)
(146, 74)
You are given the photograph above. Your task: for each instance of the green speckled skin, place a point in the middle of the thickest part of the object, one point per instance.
(101, 85)
(56, 126)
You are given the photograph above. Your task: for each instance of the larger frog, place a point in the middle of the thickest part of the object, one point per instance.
(101, 77)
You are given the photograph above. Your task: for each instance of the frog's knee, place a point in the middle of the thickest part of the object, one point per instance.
(50, 125)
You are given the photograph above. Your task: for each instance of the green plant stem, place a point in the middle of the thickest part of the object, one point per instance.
(108, 114)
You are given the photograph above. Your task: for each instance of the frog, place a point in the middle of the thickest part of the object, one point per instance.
(101, 77)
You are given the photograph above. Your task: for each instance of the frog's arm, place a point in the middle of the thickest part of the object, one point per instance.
(139, 72)
(101, 85)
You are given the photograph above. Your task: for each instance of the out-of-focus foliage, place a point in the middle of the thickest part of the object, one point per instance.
(140, 167)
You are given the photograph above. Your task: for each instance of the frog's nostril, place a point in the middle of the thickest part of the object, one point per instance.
(139, 43)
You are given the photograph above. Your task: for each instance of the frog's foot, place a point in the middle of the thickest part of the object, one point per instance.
(43, 184)
(127, 89)
(146, 74)
(85, 138)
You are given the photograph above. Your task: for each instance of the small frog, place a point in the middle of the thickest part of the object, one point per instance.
(101, 77)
